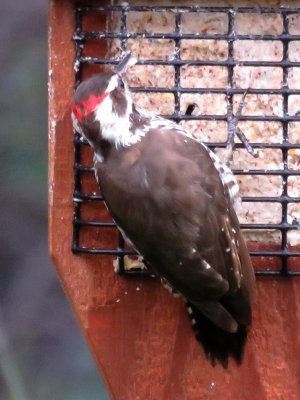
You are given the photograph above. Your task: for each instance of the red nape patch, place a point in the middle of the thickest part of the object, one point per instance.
(91, 104)
(87, 106)
(77, 112)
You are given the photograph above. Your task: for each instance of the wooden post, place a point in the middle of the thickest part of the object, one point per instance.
(139, 334)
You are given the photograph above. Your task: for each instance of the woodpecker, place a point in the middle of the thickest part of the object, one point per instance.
(174, 199)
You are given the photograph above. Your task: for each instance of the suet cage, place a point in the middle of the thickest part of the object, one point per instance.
(208, 56)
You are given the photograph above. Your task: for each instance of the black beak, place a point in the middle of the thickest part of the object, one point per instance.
(121, 68)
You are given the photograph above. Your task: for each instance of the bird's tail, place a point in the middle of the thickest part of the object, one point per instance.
(218, 344)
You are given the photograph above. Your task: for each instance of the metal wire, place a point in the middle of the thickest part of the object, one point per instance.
(80, 37)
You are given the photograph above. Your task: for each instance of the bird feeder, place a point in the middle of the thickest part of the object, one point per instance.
(201, 53)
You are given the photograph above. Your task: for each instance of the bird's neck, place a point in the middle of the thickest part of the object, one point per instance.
(119, 130)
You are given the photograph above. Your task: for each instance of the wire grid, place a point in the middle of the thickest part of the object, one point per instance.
(123, 35)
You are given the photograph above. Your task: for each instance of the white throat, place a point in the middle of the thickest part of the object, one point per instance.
(115, 129)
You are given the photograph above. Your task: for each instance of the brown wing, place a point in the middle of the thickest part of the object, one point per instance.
(167, 196)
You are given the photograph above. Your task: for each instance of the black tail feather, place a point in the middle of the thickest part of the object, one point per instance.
(218, 344)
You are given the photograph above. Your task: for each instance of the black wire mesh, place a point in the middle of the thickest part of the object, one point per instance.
(285, 252)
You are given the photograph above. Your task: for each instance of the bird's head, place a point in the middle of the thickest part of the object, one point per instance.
(102, 105)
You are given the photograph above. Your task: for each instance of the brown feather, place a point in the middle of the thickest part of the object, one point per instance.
(166, 193)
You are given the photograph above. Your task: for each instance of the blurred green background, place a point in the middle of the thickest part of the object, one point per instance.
(42, 353)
